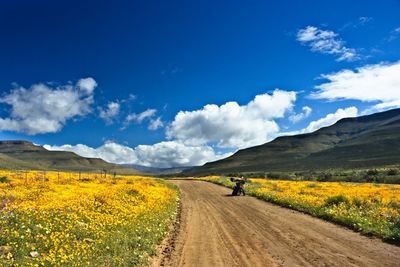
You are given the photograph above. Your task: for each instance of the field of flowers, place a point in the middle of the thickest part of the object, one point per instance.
(82, 219)
(366, 207)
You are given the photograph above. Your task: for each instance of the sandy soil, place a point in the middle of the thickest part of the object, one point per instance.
(218, 230)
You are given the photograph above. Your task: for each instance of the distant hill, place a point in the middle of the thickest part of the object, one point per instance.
(158, 171)
(26, 155)
(362, 142)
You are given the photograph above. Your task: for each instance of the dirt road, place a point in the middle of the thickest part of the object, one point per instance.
(219, 230)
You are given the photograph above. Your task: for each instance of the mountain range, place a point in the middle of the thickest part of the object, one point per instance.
(361, 142)
(26, 155)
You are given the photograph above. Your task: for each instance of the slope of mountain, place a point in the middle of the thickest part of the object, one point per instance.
(25, 155)
(159, 171)
(367, 141)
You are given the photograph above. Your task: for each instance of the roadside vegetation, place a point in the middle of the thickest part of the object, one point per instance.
(82, 219)
(370, 208)
(387, 175)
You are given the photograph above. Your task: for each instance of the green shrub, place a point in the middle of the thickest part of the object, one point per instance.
(276, 188)
(336, 200)
(392, 172)
(274, 175)
(325, 177)
(312, 185)
(358, 202)
(372, 172)
(4, 179)
(394, 204)
(369, 179)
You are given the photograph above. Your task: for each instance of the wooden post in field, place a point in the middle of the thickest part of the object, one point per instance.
(58, 177)
(79, 176)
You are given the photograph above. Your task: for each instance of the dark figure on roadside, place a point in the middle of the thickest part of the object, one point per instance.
(238, 189)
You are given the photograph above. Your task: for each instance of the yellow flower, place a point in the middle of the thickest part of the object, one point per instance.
(69, 219)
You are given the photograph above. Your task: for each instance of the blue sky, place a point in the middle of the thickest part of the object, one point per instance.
(130, 81)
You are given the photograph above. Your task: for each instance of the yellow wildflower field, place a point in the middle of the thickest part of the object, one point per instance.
(366, 207)
(82, 219)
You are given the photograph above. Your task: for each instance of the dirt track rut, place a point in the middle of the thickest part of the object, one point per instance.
(219, 230)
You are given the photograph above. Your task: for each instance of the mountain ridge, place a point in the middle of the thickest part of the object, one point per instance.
(349, 143)
(21, 154)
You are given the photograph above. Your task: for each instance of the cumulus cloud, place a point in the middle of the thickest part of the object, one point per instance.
(149, 115)
(326, 42)
(176, 153)
(306, 111)
(87, 85)
(110, 112)
(111, 152)
(172, 153)
(372, 83)
(162, 155)
(155, 124)
(233, 125)
(45, 109)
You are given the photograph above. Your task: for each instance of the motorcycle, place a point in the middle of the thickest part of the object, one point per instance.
(238, 189)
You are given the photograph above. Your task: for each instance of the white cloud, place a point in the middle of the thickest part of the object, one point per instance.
(156, 124)
(328, 120)
(163, 154)
(110, 112)
(139, 118)
(372, 83)
(326, 42)
(331, 119)
(364, 20)
(232, 125)
(301, 116)
(147, 115)
(87, 85)
(393, 35)
(176, 153)
(172, 153)
(360, 22)
(111, 152)
(43, 109)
